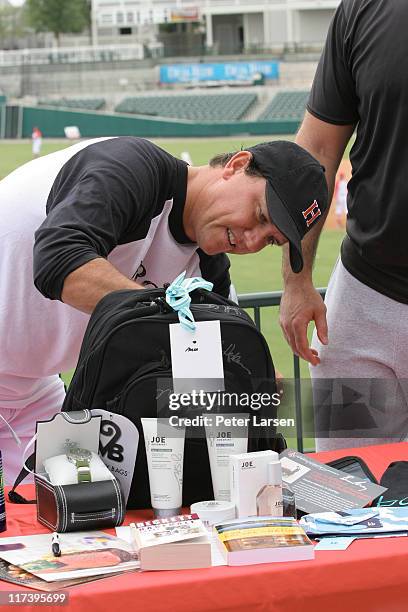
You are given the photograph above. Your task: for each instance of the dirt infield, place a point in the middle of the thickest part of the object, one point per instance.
(331, 223)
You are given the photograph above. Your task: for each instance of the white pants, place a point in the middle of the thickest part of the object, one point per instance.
(23, 421)
(360, 388)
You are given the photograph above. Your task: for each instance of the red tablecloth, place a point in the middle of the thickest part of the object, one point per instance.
(371, 575)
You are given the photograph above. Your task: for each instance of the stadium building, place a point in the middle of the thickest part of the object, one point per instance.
(221, 26)
(170, 68)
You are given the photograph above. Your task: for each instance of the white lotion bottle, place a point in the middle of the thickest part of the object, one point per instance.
(269, 501)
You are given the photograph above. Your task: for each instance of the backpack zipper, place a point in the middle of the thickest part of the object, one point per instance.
(116, 404)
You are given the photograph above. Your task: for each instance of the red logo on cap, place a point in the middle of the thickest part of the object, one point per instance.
(311, 213)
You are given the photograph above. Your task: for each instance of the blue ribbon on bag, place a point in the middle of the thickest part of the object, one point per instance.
(177, 296)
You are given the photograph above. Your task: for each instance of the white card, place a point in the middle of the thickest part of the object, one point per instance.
(119, 439)
(196, 357)
(334, 543)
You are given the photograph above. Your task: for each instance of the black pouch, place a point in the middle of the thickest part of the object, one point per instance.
(354, 466)
(78, 507)
(395, 478)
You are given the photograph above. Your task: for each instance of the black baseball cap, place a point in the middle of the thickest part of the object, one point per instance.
(296, 191)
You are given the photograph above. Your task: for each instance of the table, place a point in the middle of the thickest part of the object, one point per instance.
(371, 575)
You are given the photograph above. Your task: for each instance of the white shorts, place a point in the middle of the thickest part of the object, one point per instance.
(341, 207)
(37, 146)
(23, 421)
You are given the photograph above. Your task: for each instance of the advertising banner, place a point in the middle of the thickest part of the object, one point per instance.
(229, 71)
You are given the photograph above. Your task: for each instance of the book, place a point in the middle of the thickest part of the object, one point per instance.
(178, 542)
(83, 554)
(263, 539)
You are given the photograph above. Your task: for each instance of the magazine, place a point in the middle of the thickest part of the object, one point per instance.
(16, 575)
(83, 554)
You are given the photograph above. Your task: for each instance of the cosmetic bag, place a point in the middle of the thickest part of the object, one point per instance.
(126, 350)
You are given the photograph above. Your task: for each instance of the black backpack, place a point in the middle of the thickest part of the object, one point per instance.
(126, 348)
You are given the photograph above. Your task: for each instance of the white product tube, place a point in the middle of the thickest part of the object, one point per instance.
(165, 454)
(222, 441)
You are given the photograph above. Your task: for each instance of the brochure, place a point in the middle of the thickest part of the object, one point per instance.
(263, 539)
(83, 554)
(319, 487)
(16, 575)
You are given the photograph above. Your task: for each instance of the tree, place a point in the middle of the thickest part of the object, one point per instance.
(11, 25)
(59, 16)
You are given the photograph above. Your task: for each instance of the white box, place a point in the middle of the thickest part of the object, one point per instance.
(248, 474)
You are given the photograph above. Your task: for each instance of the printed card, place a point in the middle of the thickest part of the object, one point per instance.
(119, 439)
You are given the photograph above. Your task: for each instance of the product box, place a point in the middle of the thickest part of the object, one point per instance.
(74, 507)
(248, 473)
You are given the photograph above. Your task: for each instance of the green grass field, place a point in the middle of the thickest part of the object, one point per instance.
(13, 154)
(250, 273)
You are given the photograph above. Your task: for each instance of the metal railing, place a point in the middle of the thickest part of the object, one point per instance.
(256, 301)
(71, 55)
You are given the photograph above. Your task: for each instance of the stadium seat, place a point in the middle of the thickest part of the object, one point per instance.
(286, 105)
(89, 104)
(207, 107)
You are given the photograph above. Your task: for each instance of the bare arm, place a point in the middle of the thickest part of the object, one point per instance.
(301, 303)
(85, 286)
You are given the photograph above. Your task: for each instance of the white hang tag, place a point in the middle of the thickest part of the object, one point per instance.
(118, 443)
(197, 357)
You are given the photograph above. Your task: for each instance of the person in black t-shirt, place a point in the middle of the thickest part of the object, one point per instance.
(361, 85)
(128, 193)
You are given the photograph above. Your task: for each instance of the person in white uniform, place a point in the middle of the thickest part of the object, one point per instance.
(36, 141)
(340, 195)
(121, 213)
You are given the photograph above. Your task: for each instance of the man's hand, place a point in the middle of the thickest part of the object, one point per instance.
(300, 305)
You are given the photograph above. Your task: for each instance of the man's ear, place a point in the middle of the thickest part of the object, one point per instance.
(238, 163)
